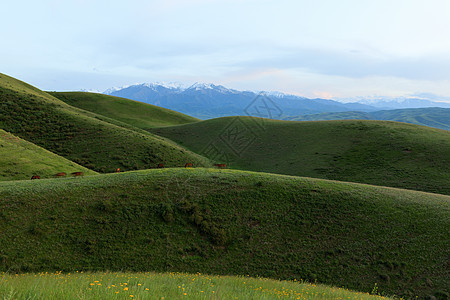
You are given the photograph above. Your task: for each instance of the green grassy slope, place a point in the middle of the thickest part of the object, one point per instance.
(135, 113)
(229, 222)
(375, 152)
(20, 159)
(94, 141)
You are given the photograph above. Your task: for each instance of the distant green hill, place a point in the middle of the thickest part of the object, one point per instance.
(20, 159)
(346, 115)
(432, 116)
(230, 222)
(375, 152)
(94, 141)
(135, 113)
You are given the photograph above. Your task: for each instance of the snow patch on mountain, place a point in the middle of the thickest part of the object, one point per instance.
(115, 89)
(90, 91)
(198, 86)
(167, 85)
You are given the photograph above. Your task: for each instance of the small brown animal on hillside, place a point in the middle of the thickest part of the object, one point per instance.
(220, 166)
(117, 170)
(62, 174)
(35, 177)
(188, 165)
(77, 174)
(160, 165)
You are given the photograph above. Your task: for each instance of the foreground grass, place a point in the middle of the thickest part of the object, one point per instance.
(229, 222)
(81, 285)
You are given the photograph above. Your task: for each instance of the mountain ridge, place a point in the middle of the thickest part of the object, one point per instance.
(207, 100)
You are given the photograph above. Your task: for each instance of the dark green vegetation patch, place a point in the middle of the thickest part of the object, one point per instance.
(374, 152)
(230, 222)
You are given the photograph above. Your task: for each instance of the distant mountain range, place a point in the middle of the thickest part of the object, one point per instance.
(206, 101)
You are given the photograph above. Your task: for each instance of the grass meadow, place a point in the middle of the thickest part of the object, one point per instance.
(117, 285)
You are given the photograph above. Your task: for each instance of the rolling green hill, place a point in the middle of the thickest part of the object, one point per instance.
(135, 113)
(20, 159)
(431, 116)
(230, 222)
(94, 141)
(374, 152)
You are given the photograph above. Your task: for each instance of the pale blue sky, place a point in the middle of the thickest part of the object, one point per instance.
(325, 48)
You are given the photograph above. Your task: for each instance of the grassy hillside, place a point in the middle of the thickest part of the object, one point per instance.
(163, 286)
(20, 159)
(432, 116)
(135, 113)
(91, 140)
(230, 222)
(375, 152)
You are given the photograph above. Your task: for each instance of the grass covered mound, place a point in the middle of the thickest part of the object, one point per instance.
(135, 113)
(374, 152)
(96, 142)
(20, 159)
(79, 285)
(230, 222)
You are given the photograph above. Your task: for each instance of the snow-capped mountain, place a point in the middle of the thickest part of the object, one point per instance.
(165, 85)
(207, 100)
(90, 91)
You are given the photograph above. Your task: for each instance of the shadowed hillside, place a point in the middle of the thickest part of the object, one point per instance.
(375, 152)
(91, 140)
(230, 222)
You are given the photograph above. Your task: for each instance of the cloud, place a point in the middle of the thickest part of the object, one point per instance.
(354, 64)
